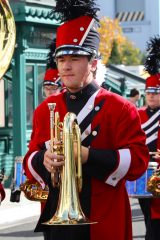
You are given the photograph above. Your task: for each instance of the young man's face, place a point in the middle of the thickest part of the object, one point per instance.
(51, 90)
(153, 100)
(75, 71)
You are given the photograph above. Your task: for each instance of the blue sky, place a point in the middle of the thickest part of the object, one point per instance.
(103, 5)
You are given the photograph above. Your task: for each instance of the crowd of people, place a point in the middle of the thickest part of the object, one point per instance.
(117, 138)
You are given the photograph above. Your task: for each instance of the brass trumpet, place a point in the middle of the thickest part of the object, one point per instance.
(153, 183)
(69, 211)
(55, 135)
(33, 191)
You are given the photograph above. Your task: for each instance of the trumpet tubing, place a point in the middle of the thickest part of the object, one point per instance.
(55, 135)
(69, 211)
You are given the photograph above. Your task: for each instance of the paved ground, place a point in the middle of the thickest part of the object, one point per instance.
(137, 220)
(12, 214)
(19, 219)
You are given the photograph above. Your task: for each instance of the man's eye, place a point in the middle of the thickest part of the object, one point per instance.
(75, 59)
(60, 60)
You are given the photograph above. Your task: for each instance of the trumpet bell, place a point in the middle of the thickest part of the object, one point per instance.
(7, 36)
(153, 184)
(33, 191)
(59, 220)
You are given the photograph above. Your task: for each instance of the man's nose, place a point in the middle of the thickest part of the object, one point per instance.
(67, 65)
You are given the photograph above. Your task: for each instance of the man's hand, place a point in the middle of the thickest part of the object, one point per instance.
(84, 153)
(157, 154)
(52, 160)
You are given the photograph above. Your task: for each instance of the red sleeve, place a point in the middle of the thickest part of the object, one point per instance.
(121, 131)
(35, 146)
(131, 136)
(39, 142)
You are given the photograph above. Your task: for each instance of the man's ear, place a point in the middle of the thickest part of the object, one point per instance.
(94, 65)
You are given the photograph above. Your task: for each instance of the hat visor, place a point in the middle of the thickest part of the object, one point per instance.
(152, 90)
(49, 83)
(73, 50)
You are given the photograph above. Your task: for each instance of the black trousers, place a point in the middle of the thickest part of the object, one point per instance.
(68, 232)
(152, 225)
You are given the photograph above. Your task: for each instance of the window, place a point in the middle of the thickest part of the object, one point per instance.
(41, 72)
(29, 94)
(34, 79)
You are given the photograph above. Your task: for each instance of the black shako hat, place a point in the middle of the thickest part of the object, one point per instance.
(78, 34)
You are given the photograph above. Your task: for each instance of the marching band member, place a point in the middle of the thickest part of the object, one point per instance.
(113, 143)
(150, 120)
(51, 82)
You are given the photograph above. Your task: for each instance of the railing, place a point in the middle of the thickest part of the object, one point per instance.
(5, 143)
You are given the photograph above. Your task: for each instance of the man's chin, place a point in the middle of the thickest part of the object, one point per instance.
(72, 88)
(153, 106)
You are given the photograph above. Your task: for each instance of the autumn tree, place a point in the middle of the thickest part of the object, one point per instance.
(110, 31)
(114, 46)
(115, 55)
(130, 54)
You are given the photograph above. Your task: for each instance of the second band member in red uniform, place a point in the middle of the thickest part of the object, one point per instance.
(150, 119)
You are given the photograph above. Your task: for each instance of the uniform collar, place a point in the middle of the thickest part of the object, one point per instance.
(153, 110)
(86, 91)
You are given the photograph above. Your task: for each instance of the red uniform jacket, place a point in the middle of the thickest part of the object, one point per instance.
(148, 123)
(120, 130)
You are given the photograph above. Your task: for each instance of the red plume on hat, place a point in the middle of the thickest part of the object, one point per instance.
(77, 35)
(152, 65)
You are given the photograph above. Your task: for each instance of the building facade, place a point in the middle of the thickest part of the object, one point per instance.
(139, 19)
